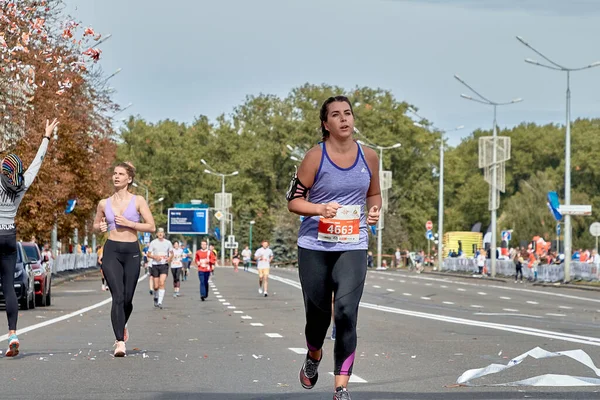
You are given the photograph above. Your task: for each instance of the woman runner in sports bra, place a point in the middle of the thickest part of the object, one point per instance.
(337, 189)
(120, 216)
(13, 185)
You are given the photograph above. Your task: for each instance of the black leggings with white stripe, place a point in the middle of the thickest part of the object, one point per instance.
(342, 273)
(121, 268)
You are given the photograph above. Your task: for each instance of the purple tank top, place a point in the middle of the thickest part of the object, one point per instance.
(130, 213)
(346, 186)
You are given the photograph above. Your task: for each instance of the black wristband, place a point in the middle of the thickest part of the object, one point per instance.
(45, 137)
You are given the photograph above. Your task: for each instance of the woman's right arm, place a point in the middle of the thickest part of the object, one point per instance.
(300, 186)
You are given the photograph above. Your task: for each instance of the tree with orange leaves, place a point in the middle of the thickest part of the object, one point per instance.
(47, 70)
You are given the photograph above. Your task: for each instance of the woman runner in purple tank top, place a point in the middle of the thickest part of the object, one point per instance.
(119, 215)
(337, 189)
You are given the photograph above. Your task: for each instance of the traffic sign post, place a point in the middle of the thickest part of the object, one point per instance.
(595, 231)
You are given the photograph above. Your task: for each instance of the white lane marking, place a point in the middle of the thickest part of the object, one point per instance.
(256, 324)
(78, 291)
(219, 296)
(448, 302)
(532, 302)
(444, 286)
(402, 281)
(390, 290)
(231, 307)
(65, 317)
(592, 341)
(507, 315)
(226, 304)
(514, 289)
(246, 317)
(510, 309)
(408, 294)
(476, 306)
(238, 312)
(391, 279)
(298, 350)
(425, 298)
(556, 315)
(217, 293)
(377, 287)
(222, 300)
(461, 289)
(482, 293)
(429, 284)
(565, 307)
(273, 335)
(505, 298)
(353, 378)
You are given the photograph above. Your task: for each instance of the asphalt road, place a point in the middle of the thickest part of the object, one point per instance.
(417, 335)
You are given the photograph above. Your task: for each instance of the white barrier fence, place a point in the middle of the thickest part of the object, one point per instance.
(546, 273)
(71, 262)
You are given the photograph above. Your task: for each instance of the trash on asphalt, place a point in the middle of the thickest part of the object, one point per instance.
(551, 380)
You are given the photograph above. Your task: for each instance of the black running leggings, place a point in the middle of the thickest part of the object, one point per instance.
(176, 276)
(519, 270)
(340, 272)
(121, 267)
(8, 262)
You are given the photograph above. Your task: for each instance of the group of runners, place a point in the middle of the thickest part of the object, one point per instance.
(336, 189)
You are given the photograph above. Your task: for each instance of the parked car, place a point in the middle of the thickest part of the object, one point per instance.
(41, 273)
(24, 286)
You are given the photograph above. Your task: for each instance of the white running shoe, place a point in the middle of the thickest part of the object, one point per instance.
(260, 291)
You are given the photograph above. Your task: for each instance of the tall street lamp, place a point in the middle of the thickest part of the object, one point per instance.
(381, 215)
(211, 170)
(441, 183)
(494, 190)
(137, 184)
(556, 67)
(250, 239)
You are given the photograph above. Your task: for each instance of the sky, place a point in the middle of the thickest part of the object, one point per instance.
(185, 58)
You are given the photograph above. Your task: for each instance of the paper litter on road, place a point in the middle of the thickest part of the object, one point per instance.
(541, 380)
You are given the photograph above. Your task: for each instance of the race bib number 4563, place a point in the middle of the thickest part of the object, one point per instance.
(343, 228)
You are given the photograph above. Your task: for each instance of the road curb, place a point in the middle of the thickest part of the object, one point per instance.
(567, 286)
(61, 278)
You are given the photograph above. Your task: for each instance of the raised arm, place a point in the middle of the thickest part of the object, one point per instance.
(36, 164)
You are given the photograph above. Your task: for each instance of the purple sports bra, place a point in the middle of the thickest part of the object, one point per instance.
(130, 213)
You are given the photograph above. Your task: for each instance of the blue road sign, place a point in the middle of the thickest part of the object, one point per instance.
(147, 237)
(506, 235)
(429, 235)
(187, 221)
(558, 229)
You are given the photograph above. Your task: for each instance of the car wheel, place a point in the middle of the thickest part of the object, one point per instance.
(32, 301)
(48, 297)
(24, 303)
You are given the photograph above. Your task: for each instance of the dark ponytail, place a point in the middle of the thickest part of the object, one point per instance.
(323, 114)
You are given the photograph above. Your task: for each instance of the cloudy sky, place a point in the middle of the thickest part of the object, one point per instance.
(185, 58)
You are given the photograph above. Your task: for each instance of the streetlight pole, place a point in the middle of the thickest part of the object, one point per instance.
(137, 184)
(250, 239)
(211, 170)
(556, 67)
(441, 183)
(486, 101)
(382, 213)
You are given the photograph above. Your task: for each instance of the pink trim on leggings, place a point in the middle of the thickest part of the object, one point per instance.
(345, 370)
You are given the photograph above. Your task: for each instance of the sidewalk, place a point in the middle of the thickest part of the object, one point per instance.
(66, 276)
(580, 285)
